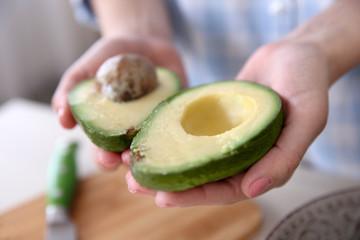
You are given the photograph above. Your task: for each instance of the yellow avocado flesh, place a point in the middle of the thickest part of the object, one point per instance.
(206, 122)
(216, 113)
(118, 117)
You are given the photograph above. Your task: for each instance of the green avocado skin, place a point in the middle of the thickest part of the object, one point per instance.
(113, 143)
(117, 143)
(214, 169)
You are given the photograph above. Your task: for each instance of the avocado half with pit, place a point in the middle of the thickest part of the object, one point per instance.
(112, 125)
(205, 134)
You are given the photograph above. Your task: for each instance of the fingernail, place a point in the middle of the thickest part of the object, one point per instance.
(258, 186)
(134, 187)
(164, 205)
(162, 200)
(136, 191)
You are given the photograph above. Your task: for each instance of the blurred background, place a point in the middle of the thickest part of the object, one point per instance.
(39, 40)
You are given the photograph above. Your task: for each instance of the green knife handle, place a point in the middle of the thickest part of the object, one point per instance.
(61, 179)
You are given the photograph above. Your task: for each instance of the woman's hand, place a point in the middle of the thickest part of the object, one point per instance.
(160, 52)
(298, 72)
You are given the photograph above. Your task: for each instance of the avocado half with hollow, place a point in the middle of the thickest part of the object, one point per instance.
(112, 125)
(205, 134)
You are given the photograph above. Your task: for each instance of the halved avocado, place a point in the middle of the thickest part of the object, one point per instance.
(112, 125)
(205, 134)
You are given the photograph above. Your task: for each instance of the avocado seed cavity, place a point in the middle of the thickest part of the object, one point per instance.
(126, 77)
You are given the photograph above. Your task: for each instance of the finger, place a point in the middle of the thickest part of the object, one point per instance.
(164, 54)
(126, 157)
(136, 188)
(60, 99)
(106, 160)
(217, 193)
(64, 114)
(263, 175)
(299, 130)
(178, 68)
(175, 64)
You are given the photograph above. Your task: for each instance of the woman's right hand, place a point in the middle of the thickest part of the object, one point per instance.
(160, 52)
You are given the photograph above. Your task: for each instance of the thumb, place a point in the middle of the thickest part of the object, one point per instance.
(60, 103)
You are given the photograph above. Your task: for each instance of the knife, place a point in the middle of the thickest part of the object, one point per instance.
(61, 185)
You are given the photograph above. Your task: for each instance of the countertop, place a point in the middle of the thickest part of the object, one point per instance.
(29, 131)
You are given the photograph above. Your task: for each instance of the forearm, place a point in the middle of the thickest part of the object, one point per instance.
(134, 18)
(336, 32)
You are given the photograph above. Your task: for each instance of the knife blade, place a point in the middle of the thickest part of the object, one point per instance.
(61, 186)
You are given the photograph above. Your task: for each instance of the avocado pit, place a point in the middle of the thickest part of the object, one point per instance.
(126, 77)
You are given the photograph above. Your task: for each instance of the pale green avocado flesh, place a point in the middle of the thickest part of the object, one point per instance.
(112, 125)
(205, 134)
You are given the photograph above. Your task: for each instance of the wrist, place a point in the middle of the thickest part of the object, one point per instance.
(309, 50)
(334, 33)
(133, 19)
(320, 50)
(133, 34)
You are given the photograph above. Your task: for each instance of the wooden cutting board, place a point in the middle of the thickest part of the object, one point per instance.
(104, 209)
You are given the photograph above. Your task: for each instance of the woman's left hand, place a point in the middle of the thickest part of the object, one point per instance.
(298, 72)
